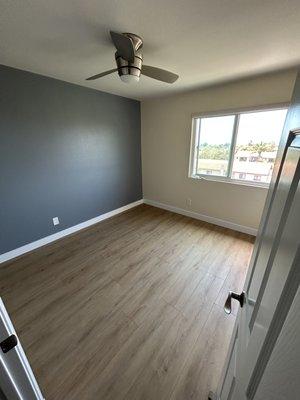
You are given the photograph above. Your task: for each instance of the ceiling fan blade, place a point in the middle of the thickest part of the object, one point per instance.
(124, 45)
(159, 74)
(92, 78)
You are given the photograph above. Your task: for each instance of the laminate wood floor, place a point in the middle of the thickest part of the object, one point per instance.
(128, 309)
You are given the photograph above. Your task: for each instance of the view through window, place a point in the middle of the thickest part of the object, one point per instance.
(240, 146)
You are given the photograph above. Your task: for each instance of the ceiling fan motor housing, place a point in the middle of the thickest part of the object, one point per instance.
(131, 68)
(127, 68)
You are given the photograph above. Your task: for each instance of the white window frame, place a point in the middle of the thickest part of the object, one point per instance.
(235, 112)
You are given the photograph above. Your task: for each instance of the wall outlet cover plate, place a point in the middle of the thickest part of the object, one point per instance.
(55, 221)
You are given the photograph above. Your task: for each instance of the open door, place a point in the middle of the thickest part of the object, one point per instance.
(272, 286)
(17, 381)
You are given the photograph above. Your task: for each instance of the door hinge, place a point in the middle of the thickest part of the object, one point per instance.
(9, 343)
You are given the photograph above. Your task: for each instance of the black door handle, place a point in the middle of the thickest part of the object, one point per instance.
(9, 343)
(232, 295)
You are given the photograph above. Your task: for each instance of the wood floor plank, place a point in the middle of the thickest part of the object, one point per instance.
(202, 370)
(128, 309)
(169, 355)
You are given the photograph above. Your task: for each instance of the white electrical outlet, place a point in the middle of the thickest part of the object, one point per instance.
(189, 202)
(55, 221)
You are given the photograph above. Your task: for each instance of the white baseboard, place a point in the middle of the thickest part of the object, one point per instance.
(48, 239)
(206, 218)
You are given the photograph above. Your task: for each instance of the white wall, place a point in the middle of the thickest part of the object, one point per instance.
(166, 131)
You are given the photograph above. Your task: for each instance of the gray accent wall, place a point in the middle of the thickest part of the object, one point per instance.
(65, 151)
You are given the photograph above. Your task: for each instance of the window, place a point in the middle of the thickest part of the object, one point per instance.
(213, 147)
(257, 178)
(238, 147)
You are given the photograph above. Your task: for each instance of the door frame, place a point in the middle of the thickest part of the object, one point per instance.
(10, 386)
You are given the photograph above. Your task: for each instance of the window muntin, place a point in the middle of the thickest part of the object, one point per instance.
(238, 147)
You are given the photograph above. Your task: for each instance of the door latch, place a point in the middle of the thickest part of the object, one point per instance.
(9, 343)
(232, 295)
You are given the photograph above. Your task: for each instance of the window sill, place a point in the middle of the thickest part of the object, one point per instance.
(213, 178)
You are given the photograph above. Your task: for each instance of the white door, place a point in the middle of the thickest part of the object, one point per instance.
(271, 285)
(17, 381)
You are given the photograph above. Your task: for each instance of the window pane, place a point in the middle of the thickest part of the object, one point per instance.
(214, 145)
(256, 145)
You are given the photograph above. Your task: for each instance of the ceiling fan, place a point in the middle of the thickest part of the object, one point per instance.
(129, 60)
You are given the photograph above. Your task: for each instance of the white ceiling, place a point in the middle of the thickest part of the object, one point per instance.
(204, 41)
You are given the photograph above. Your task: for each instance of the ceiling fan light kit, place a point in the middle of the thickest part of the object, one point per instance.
(129, 60)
